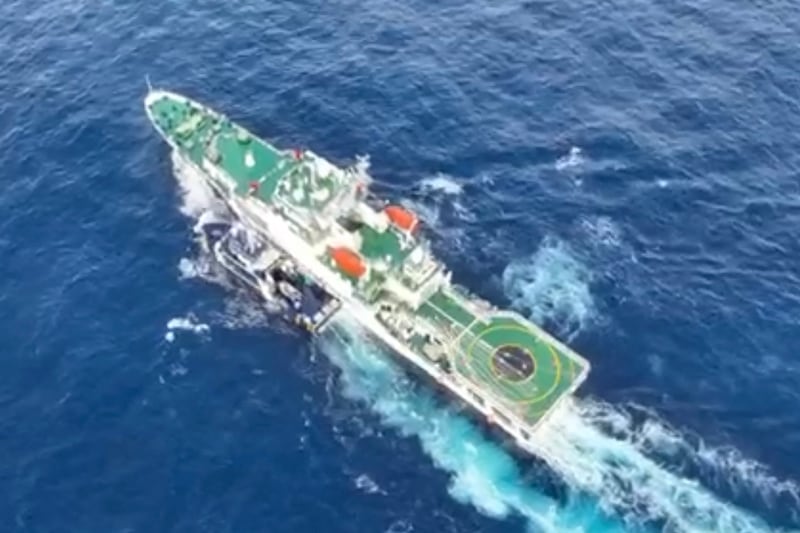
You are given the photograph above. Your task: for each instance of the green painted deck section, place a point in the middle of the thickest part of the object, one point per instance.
(444, 309)
(474, 342)
(304, 189)
(386, 245)
(244, 157)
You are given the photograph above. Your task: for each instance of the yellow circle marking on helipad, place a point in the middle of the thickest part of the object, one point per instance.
(572, 376)
(556, 361)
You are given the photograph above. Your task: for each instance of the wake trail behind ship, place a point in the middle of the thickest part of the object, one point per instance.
(602, 471)
(627, 480)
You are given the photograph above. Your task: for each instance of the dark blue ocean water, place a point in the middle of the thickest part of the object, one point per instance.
(624, 172)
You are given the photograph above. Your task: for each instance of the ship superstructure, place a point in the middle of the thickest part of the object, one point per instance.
(370, 259)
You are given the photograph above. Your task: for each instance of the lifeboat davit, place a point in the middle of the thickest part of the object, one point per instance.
(402, 218)
(349, 262)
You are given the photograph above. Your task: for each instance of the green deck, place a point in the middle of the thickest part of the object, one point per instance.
(475, 341)
(386, 245)
(446, 310)
(244, 157)
(298, 190)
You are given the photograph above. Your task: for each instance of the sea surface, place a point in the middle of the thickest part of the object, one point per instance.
(627, 173)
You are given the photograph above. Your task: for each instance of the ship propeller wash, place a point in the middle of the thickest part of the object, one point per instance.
(306, 232)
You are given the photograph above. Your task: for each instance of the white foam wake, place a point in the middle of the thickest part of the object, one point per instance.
(627, 457)
(196, 197)
(552, 285)
(482, 474)
(185, 323)
(573, 159)
(624, 478)
(644, 430)
(442, 190)
(608, 476)
(441, 183)
(608, 469)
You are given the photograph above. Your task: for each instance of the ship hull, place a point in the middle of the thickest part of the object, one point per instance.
(361, 316)
(510, 372)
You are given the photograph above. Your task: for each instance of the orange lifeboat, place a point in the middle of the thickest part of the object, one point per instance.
(349, 262)
(402, 218)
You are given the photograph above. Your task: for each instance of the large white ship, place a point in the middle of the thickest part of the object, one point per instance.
(309, 232)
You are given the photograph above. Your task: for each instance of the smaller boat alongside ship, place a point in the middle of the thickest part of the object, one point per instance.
(253, 263)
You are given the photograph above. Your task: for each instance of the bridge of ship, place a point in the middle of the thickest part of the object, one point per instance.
(503, 356)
